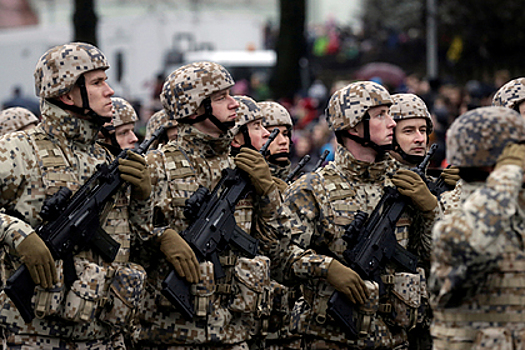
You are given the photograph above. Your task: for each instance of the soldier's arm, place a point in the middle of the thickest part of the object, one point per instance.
(305, 212)
(469, 241)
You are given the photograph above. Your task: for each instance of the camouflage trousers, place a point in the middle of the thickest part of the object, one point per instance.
(37, 342)
(240, 346)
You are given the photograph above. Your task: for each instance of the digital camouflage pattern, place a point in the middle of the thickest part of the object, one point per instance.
(187, 87)
(478, 266)
(16, 118)
(275, 114)
(477, 137)
(177, 170)
(61, 151)
(409, 106)
(60, 67)
(349, 105)
(247, 112)
(511, 94)
(157, 120)
(322, 204)
(123, 112)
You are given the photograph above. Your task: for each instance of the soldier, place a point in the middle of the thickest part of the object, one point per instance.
(119, 134)
(16, 118)
(198, 97)
(276, 116)
(157, 120)
(323, 203)
(478, 257)
(511, 95)
(61, 151)
(248, 131)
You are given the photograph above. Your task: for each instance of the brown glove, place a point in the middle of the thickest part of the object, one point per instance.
(347, 281)
(180, 255)
(512, 154)
(450, 175)
(38, 260)
(135, 171)
(412, 185)
(255, 165)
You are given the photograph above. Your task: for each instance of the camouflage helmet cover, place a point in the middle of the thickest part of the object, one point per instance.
(477, 137)
(188, 86)
(247, 112)
(510, 94)
(410, 106)
(15, 118)
(275, 114)
(123, 112)
(59, 68)
(157, 120)
(348, 106)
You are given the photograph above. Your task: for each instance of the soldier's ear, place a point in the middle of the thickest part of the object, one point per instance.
(67, 99)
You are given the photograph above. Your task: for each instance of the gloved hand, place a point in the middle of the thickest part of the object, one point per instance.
(38, 260)
(135, 171)
(512, 154)
(255, 165)
(450, 175)
(347, 281)
(412, 185)
(180, 255)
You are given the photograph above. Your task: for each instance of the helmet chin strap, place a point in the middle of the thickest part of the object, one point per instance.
(85, 109)
(366, 141)
(208, 114)
(273, 158)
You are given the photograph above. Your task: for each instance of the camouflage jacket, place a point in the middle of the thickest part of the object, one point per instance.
(322, 204)
(61, 151)
(478, 265)
(177, 170)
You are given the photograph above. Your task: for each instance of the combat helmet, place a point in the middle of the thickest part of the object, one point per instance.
(123, 112)
(157, 120)
(247, 112)
(63, 66)
(511, 94)
(349, 106)
(275, 114)
(477, 137)
(410, 106)
(190, 86)
(16, 118)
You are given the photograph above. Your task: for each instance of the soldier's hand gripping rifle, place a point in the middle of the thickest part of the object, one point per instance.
(212, 230)
(72, 225)
(371, 244)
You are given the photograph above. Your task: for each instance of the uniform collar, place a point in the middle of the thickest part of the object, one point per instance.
(207, 145)
(61, 124)
(364, 171)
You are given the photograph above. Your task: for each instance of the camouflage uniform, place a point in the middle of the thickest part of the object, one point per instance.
(16, 118)
(478, 257)
(228, 308)
(323, 203)
(61, 151)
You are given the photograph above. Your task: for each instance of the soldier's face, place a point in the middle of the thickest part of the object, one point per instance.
(281, 144)
(224, 108)
(381, 125)
(98, 91)
(411, 135)
(258, 134)
(125, 136)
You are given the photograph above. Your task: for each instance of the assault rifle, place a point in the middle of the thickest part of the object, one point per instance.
(321, 160)
(72, 225)
(212, 230)
(295, 171)
(371, 244)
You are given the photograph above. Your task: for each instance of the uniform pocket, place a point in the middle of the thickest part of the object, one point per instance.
(125, 291)
(406, 298)
(493, 338)
(47, 302)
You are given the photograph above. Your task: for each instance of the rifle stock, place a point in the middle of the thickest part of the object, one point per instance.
(72, 225)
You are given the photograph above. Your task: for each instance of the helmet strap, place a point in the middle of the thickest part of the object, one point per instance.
(365, 140)
(273, 158)
(208, 114)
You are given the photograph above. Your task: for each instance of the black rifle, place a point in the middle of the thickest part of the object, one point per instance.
(440, 186)
(212, 230)
(295, 171)
(371, 244)
(321, 160)
(71, 225)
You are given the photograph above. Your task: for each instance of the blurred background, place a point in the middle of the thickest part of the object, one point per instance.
(454, 54)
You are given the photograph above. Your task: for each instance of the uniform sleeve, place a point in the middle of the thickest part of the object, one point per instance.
(13, 231)
(470, 240)
(301, 261)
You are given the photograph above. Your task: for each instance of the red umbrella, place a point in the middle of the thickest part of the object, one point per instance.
(390, 74)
